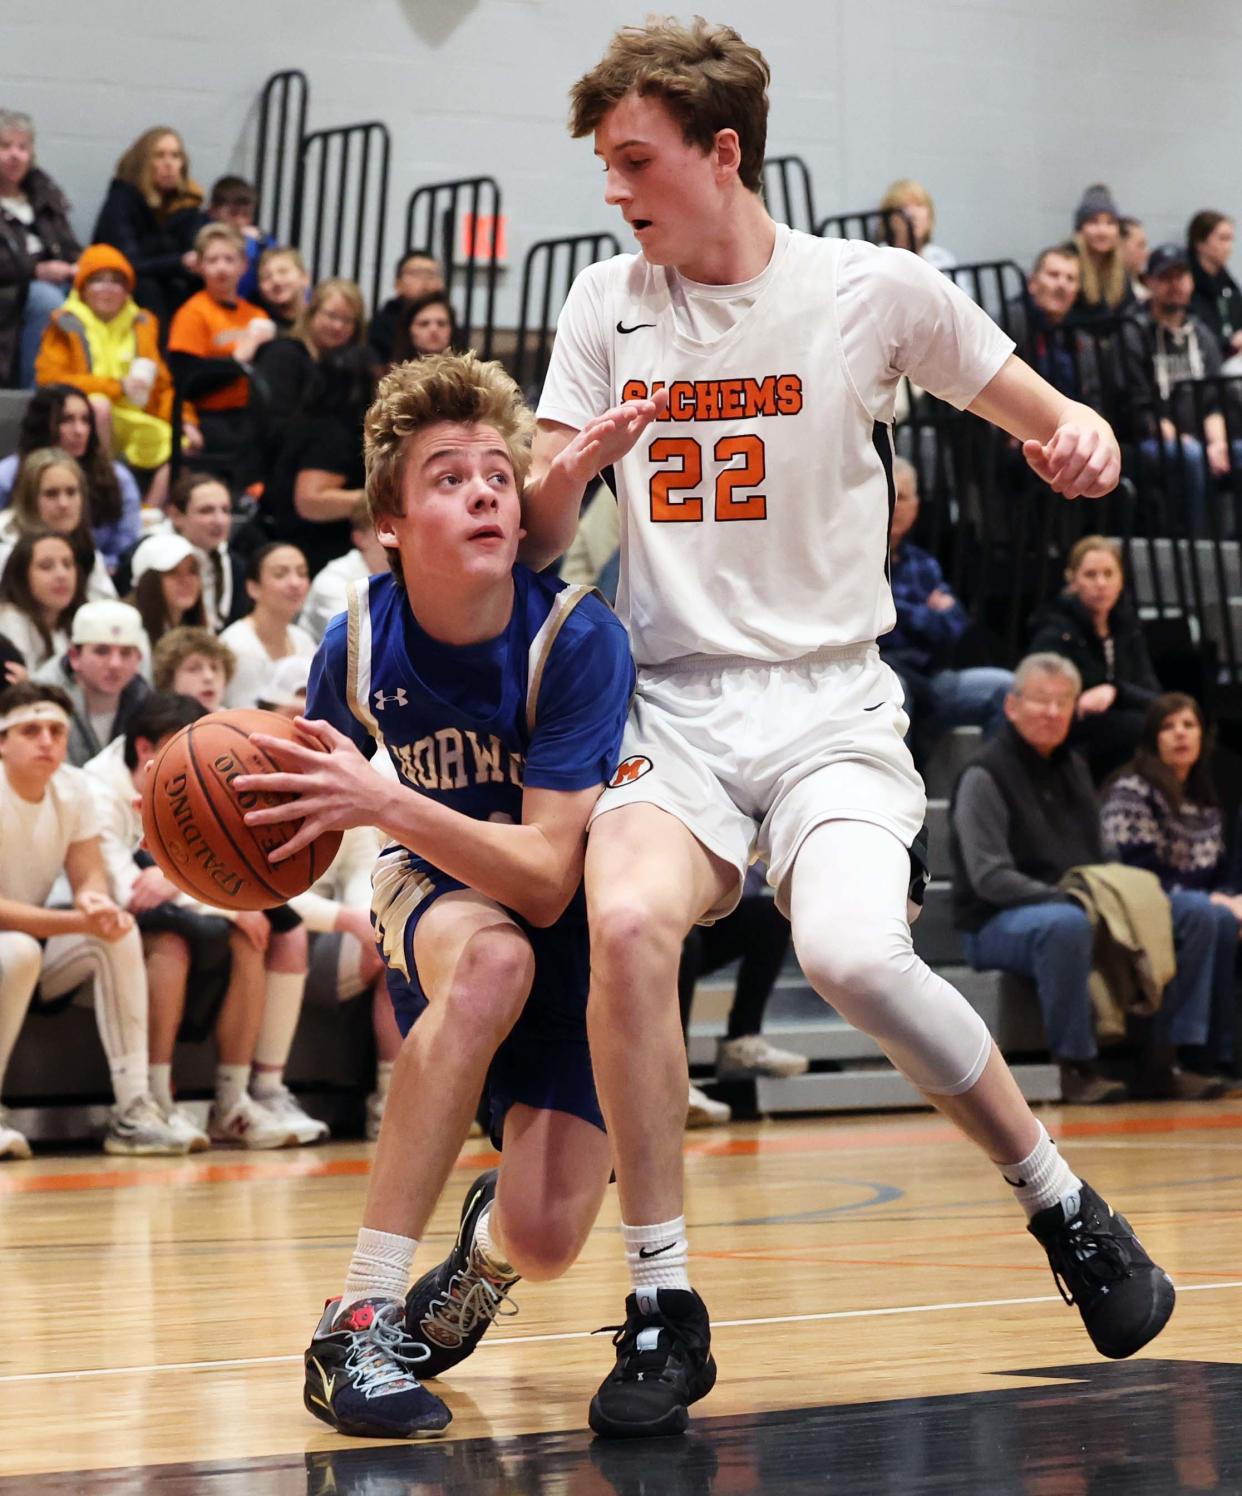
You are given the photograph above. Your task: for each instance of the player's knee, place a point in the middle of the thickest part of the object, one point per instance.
(540, 1248)
(21, 959)
(858, 967)
(287, 950)
(631, 937)
(492, 980)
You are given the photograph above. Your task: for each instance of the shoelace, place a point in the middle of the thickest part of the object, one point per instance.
(632, 1362)
(471, 1297)
(1098, 1257)
(383, 1356)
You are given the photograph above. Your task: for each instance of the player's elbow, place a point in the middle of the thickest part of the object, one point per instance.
(547, 899)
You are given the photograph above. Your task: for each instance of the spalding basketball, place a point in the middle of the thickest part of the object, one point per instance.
(193, 817)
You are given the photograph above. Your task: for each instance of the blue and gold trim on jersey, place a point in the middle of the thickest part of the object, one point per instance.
(358, 657)
(397, 890)
(542, 644)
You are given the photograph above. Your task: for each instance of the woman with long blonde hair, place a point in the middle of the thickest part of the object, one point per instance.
(907, 206)
(1106, 289)
(152, 212)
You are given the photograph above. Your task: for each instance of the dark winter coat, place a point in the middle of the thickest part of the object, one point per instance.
(17, 265)
(154, 245)
(1064, 627)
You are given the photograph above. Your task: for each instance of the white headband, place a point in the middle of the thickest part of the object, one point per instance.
(34, 711)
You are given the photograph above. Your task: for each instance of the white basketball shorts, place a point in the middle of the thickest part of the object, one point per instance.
(751, 756)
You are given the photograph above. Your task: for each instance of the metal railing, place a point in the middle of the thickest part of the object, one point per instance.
(547, 274)
(788, 193)
(343, 175)
(278, 152)
(435, 218)
(999, 287)
(876, 225)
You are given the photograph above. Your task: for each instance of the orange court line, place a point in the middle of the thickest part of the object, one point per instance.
(837, 1140)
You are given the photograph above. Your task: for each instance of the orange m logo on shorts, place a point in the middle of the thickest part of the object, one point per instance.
(630, 769)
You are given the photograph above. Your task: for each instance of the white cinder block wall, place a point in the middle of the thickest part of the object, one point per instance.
(1005, 108)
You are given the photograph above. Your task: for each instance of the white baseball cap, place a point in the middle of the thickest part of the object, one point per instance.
(160, 553)
(286, 685)
(108, 622)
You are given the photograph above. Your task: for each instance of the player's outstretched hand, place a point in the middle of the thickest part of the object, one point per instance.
(1080, 462)
(332, 789)
(606, 439)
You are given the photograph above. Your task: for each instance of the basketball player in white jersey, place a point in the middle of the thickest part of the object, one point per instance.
(740, 378)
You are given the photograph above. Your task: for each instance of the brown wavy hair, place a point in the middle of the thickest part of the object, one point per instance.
(134, 167)
(708, 78)
(15, 583)
(1200, 786)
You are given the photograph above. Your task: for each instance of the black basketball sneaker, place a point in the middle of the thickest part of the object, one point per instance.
(664, 1363)
(450, 1308)
(360, 1374)
(1100, 1266)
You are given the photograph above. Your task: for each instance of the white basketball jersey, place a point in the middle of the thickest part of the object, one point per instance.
(755, 514)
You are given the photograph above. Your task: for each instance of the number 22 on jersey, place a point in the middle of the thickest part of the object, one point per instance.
(674, 499)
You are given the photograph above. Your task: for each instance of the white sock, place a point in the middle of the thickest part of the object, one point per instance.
(379, 1268)
(658, 1257)
(491, 1259)
(160, 1077)
(282, 1006)
(383, 1078)
(230, 1085)
(1042, 1178)
(265, 1083)
(129, 1078)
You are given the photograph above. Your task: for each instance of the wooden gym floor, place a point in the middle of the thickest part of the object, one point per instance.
(882, 1322)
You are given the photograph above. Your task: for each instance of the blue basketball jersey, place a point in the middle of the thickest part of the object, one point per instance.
(541, 705)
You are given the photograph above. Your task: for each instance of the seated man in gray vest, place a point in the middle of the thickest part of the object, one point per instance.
(1024, 813)
(100, 674)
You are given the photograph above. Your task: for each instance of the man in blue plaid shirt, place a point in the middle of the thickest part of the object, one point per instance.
(930, 620)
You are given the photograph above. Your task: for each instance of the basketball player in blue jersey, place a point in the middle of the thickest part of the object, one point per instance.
(740, 377)
(500, 697)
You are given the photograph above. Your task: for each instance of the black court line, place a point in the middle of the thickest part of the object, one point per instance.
(1142, 1428)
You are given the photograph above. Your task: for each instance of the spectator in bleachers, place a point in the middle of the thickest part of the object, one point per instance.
(1105, 290)
(1217, 297)
(317, 372)
(152, 213)
(225, 955)
(1162, 812)
(100, 674)
(418, 274)
(318, 474)
(200, 511)
(213, 340)
(1182, 433)
(284, 283)
(1134, 252)
(38, 250)
(912, 199)
(12, 663)
(930, 622)
(50, 494)
(104, 344)
(192, 662)
(42, 585)
(234, 201)
(277, 582)
(49, 827)
(1023, 814)
(59, 415)
(1066, 356)
(167, 586)
(1093, 625)
(755, 935)
(428, 325)
(328, 592)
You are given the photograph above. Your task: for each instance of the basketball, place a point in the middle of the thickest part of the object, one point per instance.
(193, 818)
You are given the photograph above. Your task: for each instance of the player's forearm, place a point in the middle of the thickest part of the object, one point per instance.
(30, 919)
(550, 506)
(1024, 404)
(515, 865)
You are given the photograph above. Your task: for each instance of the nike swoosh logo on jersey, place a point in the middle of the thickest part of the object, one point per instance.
(621, 327)
(643, 1252)
(874, 708)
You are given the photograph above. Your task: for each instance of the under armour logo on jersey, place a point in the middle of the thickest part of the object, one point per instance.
(399, 696)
